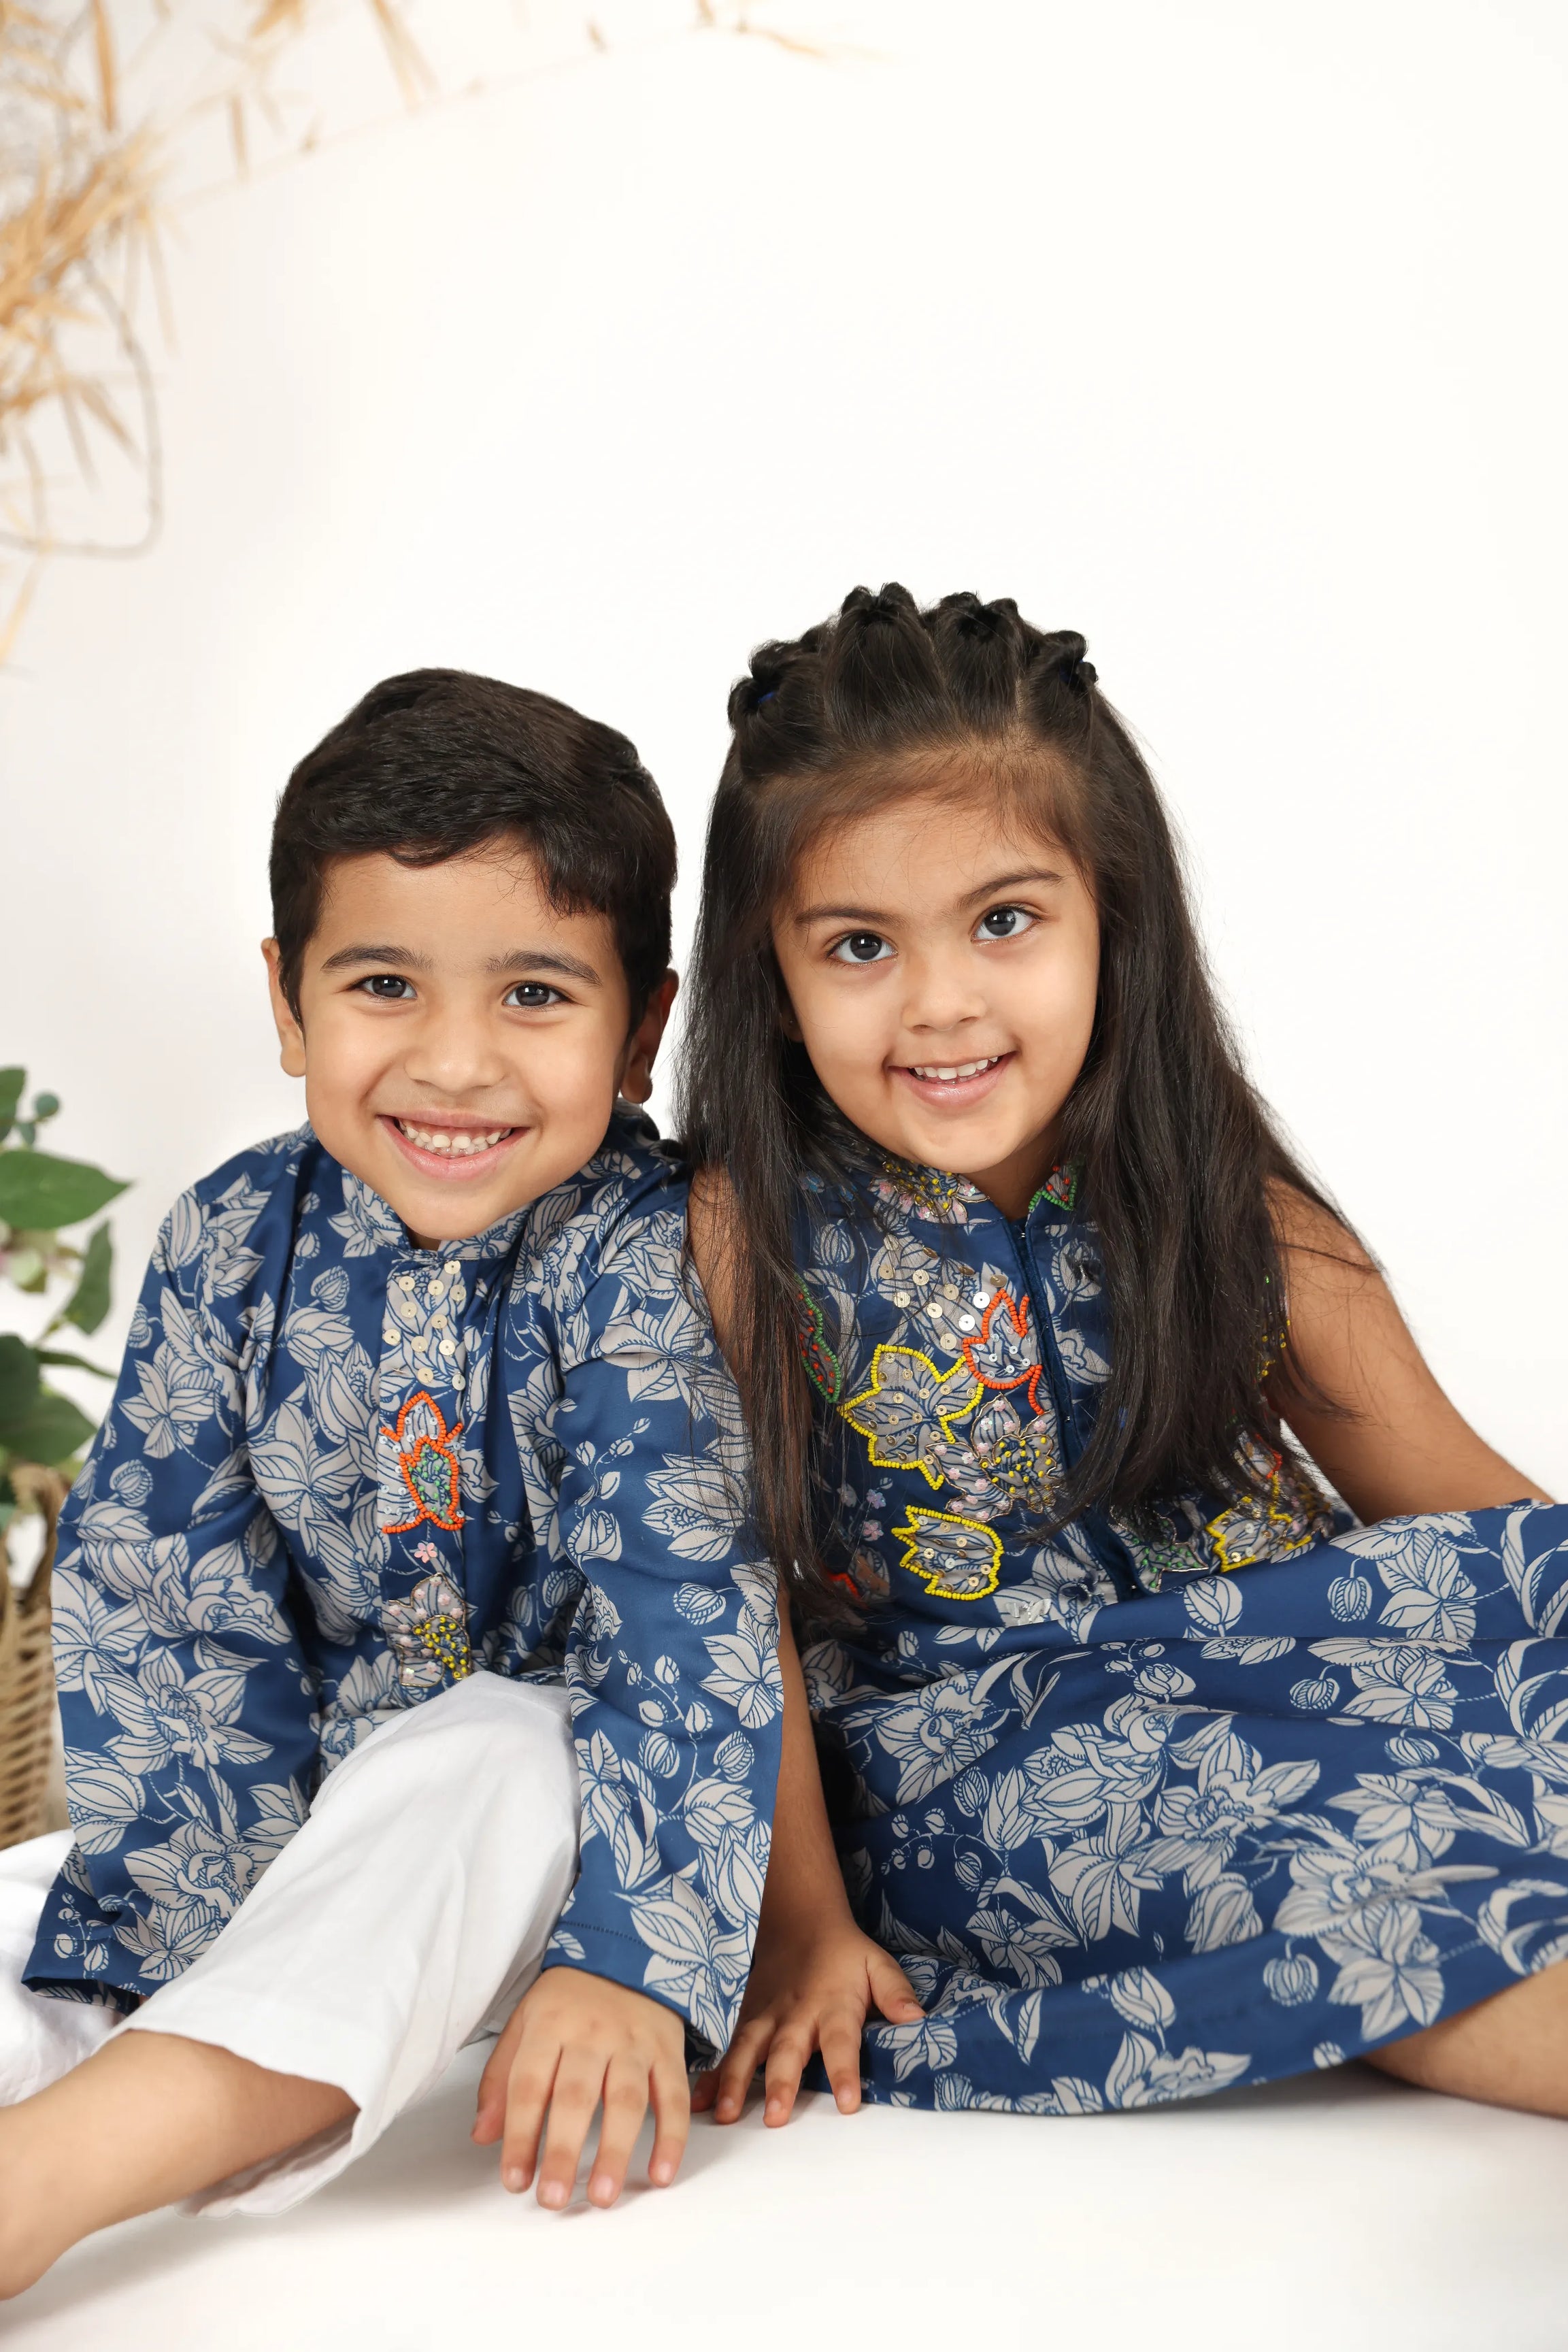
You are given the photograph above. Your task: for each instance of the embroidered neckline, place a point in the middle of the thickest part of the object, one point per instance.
(935, 1188)
(1060, 1188)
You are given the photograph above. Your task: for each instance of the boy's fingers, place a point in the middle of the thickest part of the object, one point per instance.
(672, 2120)
(739, 2064)
(892, 1990)
(625, 2104)
(578, 2083)
(528, 2089)
(787, 2061)
(841, 2044)
(490, 2108)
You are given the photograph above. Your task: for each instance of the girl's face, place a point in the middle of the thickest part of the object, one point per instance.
(942, 967)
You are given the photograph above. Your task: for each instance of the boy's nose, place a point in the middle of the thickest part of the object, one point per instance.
(454, 1056)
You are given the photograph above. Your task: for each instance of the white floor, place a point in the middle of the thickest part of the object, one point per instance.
(1340, 2212)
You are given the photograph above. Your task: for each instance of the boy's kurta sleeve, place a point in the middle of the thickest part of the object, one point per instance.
(187, 1712)
(671, 1661)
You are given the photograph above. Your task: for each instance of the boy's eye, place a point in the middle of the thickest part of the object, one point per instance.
(528, 995)
(862, 946)
(1004, 923)
(387, 987)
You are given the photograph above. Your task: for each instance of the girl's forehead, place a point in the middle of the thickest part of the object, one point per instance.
(935, 845)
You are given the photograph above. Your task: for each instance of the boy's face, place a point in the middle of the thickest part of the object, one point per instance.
(461, 1040)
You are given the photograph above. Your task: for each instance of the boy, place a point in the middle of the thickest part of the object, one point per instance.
(420, 1449)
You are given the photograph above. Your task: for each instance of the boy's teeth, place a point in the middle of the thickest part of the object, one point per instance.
(460, 1143)
(959, 1069)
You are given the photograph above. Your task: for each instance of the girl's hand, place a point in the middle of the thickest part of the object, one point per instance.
(809, 1990)
(574, 2041)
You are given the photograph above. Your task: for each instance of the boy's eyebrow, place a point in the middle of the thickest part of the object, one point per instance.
(986, 890)
(520, 960)
(544, 959)
(404, 958)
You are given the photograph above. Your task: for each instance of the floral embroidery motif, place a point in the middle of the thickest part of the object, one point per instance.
(1001, 1357)
(955, 1558)
(429, 1633)
(1284, 1514)
(1060, 1188)
(907, 1412)
(927, 1191)
(822, 1364)
(427, 1457)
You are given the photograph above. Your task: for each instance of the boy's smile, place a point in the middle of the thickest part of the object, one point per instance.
(462, 1040)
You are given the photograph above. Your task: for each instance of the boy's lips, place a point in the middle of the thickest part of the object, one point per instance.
(448, 1148)
(957, 1085)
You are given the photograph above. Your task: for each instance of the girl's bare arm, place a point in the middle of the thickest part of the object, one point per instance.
(1398, 1445)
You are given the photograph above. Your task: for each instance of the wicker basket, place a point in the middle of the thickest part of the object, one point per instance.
(27, 1677)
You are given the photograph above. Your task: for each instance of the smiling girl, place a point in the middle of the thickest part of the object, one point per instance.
(1185, 1670)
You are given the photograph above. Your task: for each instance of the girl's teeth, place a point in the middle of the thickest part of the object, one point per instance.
(961, 1069)
(459, 1143)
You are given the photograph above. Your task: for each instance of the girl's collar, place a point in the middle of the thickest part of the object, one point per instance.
(949, 1198)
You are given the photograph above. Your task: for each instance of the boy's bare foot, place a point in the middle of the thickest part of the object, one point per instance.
(148, 2119)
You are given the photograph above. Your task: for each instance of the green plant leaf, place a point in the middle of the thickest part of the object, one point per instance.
(46, 1105)
(12, 1082)
(42, 1193)
(79, 1363)
(51, 1431)
(18, 1378)
(89, 1302)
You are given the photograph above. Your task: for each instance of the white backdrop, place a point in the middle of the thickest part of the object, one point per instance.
(1229, 333)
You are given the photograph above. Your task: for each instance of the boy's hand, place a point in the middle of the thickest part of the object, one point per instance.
(574, 2043)
(811, 1988)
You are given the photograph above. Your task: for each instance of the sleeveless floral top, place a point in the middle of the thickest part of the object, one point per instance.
(961, 1355)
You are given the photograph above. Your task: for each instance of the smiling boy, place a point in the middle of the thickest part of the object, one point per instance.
(418, 1483)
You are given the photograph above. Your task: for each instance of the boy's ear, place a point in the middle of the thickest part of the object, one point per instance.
(637, 1078)
(291, 1036)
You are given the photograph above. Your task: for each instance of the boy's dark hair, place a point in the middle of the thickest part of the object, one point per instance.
(438, 762)
(1177, 1156)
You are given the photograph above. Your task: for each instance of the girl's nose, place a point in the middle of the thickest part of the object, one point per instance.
(942, 996)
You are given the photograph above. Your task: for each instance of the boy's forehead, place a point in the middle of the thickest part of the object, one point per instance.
(462, 909)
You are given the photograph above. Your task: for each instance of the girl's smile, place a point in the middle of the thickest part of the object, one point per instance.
(958, 1088)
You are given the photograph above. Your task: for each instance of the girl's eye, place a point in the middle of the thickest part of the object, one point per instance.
(1004, 923)
(531, 995)
(387, 987)
(862, 946)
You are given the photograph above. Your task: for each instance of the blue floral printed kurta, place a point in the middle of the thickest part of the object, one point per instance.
(1143, 1819)
(339, 1473)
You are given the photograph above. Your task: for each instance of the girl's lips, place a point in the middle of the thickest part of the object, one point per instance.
(446, 1164)
(955, 1094)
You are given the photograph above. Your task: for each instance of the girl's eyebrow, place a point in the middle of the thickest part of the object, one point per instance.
(870, 915)
(1011, 882)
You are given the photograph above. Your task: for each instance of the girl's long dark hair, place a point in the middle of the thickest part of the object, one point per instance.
(1176, 1153)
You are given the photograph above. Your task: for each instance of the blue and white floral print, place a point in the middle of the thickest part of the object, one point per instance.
(1143, 1820)
(340, 1473)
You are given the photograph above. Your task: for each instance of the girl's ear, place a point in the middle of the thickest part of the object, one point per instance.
(290, 1036)
(637, 1076)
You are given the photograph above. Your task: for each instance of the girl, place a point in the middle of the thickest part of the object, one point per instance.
(1157, 1767)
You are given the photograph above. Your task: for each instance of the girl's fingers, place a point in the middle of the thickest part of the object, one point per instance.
(528, 2089)
(705, 2091)
(892, 1990)
(579, 2084)
(787, 2061)
(841, 2047)
(625, 2104)
(738, 2066)
(671, 2119)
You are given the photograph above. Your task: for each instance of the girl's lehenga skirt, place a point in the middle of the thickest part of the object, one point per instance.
(1252, 1824)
